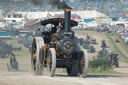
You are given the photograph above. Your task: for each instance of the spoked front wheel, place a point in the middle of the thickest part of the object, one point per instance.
(51, 62)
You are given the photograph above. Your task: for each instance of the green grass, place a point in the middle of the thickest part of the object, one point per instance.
(115, 49)
(103, 72)
(94, 72)
(24, 51)
(123, 44)
(100, 64)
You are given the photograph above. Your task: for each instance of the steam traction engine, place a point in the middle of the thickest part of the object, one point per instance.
(59, 48)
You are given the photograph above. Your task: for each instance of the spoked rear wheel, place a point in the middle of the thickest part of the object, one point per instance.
(36, 56)
(51, 62)
(84, 63)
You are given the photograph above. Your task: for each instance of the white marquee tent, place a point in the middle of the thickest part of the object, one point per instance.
(84, 14)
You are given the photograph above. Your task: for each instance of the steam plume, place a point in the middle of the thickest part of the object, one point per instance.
(60, 4)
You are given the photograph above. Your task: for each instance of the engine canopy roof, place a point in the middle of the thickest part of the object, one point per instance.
(56, 21)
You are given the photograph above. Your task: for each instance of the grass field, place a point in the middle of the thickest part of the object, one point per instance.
(122, 43)
(104, 72)
(24, 51)
(94, 72)
(115, 49)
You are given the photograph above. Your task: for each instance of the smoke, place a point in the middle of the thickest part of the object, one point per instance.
(37, 2)
(60, 4)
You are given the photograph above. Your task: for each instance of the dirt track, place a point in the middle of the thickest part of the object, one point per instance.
(25, 76)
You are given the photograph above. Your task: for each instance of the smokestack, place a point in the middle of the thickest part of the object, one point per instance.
(67, 15)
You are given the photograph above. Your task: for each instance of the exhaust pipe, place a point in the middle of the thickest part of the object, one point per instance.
(67, 15)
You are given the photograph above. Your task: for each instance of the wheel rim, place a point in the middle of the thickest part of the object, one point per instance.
(37, 66)
(34, 55)
(84, 63)
(51, 62)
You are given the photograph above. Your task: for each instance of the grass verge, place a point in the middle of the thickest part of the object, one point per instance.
(123, 44)
(103, 72)
(115, 49)
(23, 52)
(108, 72)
